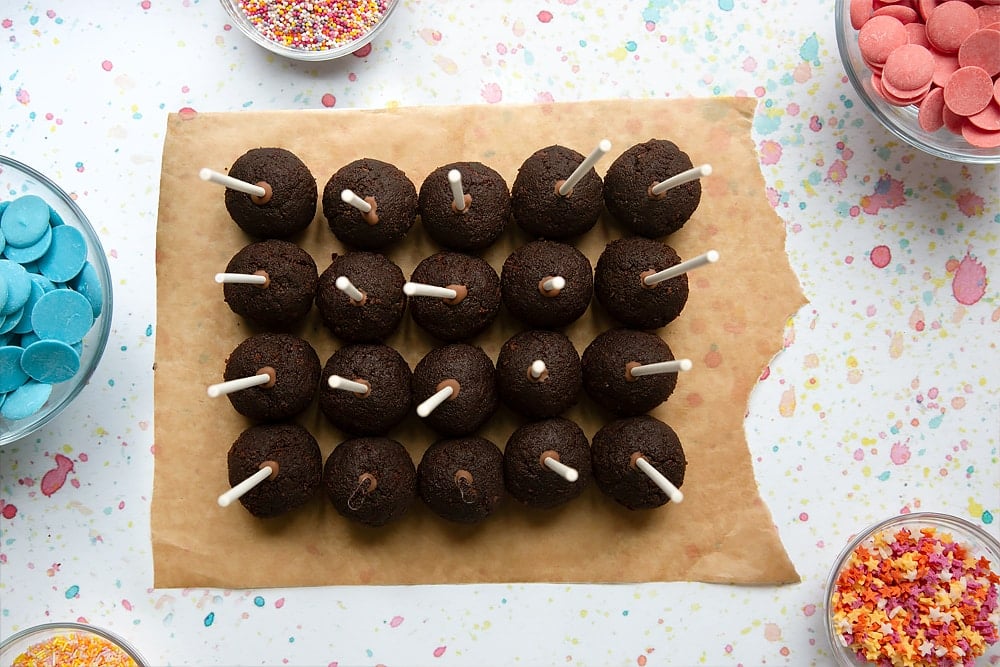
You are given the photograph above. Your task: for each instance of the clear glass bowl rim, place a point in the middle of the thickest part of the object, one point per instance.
(69, 627)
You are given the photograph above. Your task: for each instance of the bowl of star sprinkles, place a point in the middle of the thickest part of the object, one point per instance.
(916, 590)
(310, 29)
(67, 645)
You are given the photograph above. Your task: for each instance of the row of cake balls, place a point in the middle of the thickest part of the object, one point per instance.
(369, 388)
(362, 296)
(652, 189)
(275, 468)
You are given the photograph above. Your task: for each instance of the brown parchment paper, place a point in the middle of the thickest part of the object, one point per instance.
(731, 328)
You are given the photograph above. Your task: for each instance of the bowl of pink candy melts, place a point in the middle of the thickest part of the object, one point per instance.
(55, 300)
(928, 70)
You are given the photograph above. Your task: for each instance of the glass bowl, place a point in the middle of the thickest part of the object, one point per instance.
(900, 121)
(979, 545)
(118, 652)
(258, 30)
(16, 180)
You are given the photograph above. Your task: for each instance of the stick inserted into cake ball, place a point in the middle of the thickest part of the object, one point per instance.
(710, 257)
(353, 386)
(692, 174)
(665, 485)
(445, 391)
(263, 378)
(261, 192)
(658, 368)
(348, 197)
(421, 289)
(552, 285)
(268, 469)
(260, 278)
(537, 369)
(457, 194)
(551, 461)
(566, 188)
(344, 284)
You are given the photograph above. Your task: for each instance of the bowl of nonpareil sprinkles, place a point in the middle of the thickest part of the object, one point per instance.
(310, 29)
(917, 590)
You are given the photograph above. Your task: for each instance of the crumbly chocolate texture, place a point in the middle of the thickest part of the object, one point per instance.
(288, 295)
(370, 480)
(395, 199)
(559, 387)
(382, 310)
(483, 220)
(452, 495)
(456, 321)
(476, 400)
(604, 371)
(611, 458)
(540, 210)
(627, 183)
(293, 194)
(300, 467)
(296, 367)
(527, 266)
(528, 479)
(619, 287)
(388, 399)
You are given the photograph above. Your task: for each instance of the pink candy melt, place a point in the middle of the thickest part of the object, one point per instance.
(942, 55)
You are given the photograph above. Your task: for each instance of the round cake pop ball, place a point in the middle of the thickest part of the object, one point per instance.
(296, 465)
(469, 372)
(296, 372)
(370, 480)
(284, 285)
(372, 394)
(607, 371)
(538, 207)
(461, 479)
(528, 282)
(550, 392)
(469, 213)
(389, 195)
(472, 308)
(618, 454)
(547, 463)
(382, 303)
(619, 283)
(291, 206)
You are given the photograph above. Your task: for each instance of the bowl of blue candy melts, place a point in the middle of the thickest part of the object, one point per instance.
(55, 300)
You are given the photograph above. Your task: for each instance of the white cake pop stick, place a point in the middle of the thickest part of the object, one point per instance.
(240, 489)
(241, 278)
(561, 469)
(345, 285)
(230, 386)
(672, 491)
(207, 174)
(661, 367)
(337, 382)
(348, 197)
(555, 283)
(537, 368)
(420, 289)
(567, 187)
(692, 174)
(435, 400)
(457, 195)
(710, 257)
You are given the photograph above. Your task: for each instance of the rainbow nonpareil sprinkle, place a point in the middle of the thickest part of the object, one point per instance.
(915, 599)
(74, 650)
(314, 25)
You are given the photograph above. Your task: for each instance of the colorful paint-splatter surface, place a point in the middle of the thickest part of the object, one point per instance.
(886, 399)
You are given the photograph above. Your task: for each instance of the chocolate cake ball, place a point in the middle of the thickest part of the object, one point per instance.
(391, 194)
(618, 283)
(370, 480)
(296, 464)
(381, 309)
(614, 452)
(293, 365)
(470, 373)
(557, 387)
(291, 280)
(606, 376)
(526, 475)
(525, 294)
(475, 307)
(627, 184)
(537, 206)
(387, 400)
(487, 207)
(289, 203)
(461, 479)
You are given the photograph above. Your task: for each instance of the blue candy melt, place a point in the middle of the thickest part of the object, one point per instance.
(50, 361)
(12, 375)
(18, 284)
(88, 284)
(24, 326)
(25, 220)
(62, 314)
(32, 252)
(10, 321)
(66, 255)
(26, 400)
